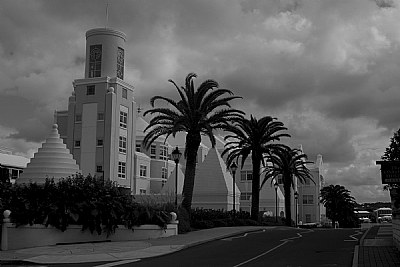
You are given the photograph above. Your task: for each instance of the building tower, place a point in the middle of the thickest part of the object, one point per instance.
(99, 125)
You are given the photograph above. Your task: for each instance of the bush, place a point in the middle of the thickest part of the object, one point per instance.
(95, 204)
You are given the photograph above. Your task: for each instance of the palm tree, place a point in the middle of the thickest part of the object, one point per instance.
(291, 164)
(255, 137)
(338, 202)
(198, 112)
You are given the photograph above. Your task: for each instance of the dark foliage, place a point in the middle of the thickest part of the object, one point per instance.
(99, 206)
(199, 111)
(339, 205)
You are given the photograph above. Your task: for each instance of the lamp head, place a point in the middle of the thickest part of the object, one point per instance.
(233, 167)
(176, 155)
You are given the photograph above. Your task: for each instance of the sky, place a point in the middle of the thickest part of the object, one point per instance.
(325, 68)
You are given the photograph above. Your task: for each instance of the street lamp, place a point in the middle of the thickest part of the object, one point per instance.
(233, 170)
(176, 156)
(276, 185)
(296, 196)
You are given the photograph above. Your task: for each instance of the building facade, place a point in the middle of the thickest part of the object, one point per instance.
(99, 125)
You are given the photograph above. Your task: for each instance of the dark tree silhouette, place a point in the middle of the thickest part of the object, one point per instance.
(255, 137)
(339, 204)
(198, 112)
(291, 164)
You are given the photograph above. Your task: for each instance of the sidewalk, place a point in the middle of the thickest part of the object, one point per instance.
(117, 251)
(376, 248)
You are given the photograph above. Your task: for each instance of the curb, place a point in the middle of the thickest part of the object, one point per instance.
(355, 256)
(363, 237)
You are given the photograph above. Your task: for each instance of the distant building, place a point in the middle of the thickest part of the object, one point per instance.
(309, 206)
(11, 166)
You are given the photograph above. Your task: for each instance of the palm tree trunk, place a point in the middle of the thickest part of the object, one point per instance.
(255, 188)
(288, 213)
(192, 146)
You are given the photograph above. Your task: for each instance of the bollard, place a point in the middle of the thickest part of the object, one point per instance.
(174, 221)
(4, 230)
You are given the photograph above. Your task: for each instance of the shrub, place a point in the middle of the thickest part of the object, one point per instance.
(95, 204)
(203, 224)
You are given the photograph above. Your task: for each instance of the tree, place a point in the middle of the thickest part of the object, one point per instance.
(198, 112)
(339, 204)
(291, 164)
(392, 153)
(255, 137)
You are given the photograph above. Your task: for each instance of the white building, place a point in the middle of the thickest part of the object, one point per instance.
(309, 206)
(11, 166)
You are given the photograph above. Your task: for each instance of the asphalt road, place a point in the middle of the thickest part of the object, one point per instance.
(277, 247)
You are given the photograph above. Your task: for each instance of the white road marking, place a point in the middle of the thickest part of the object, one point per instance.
(241, 236)
(287, 240)
(353, 238)
(116, 263)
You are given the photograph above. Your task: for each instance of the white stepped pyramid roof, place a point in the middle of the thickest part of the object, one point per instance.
(53, 160)
(213, 177)
(169, 187)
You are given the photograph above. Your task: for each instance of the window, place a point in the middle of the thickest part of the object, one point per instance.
(78, 118)
(124, 93)
(280, 179)
(246, 175)
(138, 147)
(308, 218)
(163, 183)
(99, 142)
(90, 90)
(77, 143)
(120, 63)
(95, 61)
(153, 151)
(164, 173)
(14, 174)
(307, 182)
(123, 118)
(122, 144)
(143, 170)
(164, 152)
(99, 168)
(121, 170)
(308, 199)
(142, 191)
(100, 116)
(245, 196)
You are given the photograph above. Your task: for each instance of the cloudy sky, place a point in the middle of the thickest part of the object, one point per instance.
(329, 69)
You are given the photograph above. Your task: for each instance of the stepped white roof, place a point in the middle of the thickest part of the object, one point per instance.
(53, 160)
(213, 176)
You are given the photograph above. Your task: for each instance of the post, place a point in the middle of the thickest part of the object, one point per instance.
(276, 205)
(176, 184)
(234, 194)
(176, 155)
(233, 168)
(296, 196)
(4, 230)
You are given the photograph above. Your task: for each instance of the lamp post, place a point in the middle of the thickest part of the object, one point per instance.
(176, 156)
(233, 170)
(296, 196)
(276, 185)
